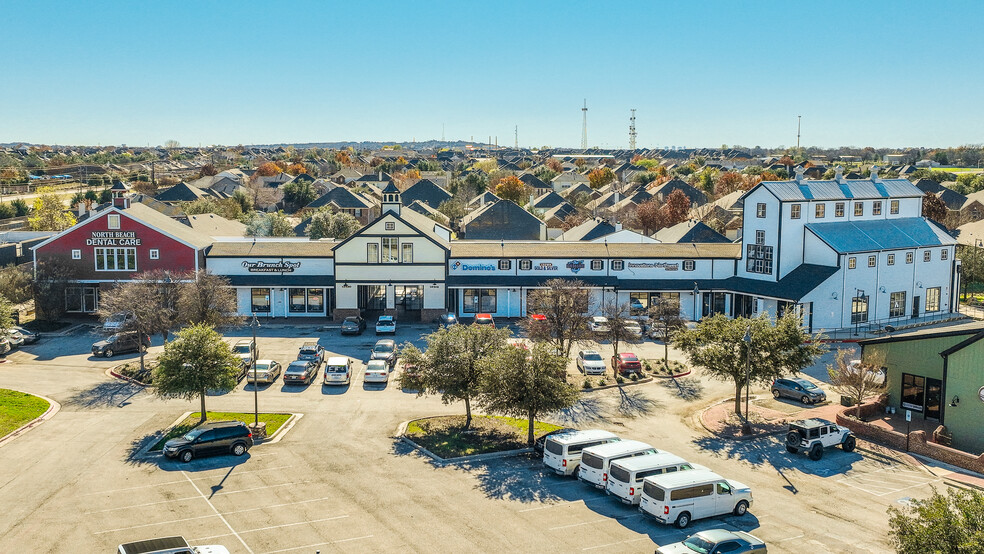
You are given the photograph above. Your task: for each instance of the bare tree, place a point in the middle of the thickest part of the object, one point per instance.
(618, 330)
(664, 318)
(564, 305)
(51, 280)
(857, 381)
(148, 300)
(207, 298)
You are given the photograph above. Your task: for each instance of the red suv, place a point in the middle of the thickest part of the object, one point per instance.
(627, 362)
(484, 319)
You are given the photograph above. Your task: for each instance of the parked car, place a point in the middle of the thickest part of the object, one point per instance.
(484, 319)
(626, 363)
(386, 324)
(538, 443)
(377, 371)
(596, 460)
(598, 324)
(798, 389)
(120, 343)
(338, 371)
(716, 541)
(24, 336)
(266, 371)
(562, 451)
(223, 437)
(169, 545)
(814, 435)
(590, 362)
(117, 321)
(626, 476)
(353, 325)
(245, 350)
(683, 496)
(447, 320)
(384, 350)
(300, 371)
(633, 329)
(312, 352)
(656, 331)
(636, 305)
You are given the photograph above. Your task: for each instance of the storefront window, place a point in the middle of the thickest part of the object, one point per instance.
(298, 300)
(933, 299)
(638, 302)
(913, 390)
(896, 304)
(316, 301)
(116, 259)
(479, 301)
(306, 301)
(260, 300)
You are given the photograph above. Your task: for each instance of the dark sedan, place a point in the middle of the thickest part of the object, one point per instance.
(300, 372)
(120, 343)
(446, 320)
(353, 325)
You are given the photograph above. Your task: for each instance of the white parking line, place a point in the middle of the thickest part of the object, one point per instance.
(293, 524)
(210, 505)
(616, 543)
(238, 472)
(580, 524)
(791, 538)
(280, 505)
(154, 523)
(144, 505)
(319, 544)
(134, 488)
(263, 487)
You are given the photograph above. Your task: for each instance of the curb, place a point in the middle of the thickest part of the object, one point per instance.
(739, 438)
(401, 434)
(674, 376)
(627, 383)
(112, 373)
(53, 408)
(145, 453)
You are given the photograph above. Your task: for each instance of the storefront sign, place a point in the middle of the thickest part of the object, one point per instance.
(654, 265)
(472, 267)
(545, 266)
(271, 267)
(575, 265)
(113, 238)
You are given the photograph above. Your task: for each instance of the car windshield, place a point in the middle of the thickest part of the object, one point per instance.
(242, 349)
(113, 338)
(630, 357)
(376, 365)
(594, 357)
(483, 319)
(193, 434)
(351, 320)
(808, 385)
(382, 348)
(262, 366)
(335, 369)
(698, 544)
(309, 352)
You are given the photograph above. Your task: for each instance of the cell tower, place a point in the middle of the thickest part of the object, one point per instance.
(584, 125)
(632, 131)
(517, 137)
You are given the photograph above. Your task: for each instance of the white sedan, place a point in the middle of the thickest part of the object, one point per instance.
(598, 324)
(377, 371)
(386, 324)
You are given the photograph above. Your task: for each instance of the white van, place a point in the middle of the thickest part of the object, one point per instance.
(596, 459)
(338, 371)
(688, 495)
(562, 452)
(625, 477)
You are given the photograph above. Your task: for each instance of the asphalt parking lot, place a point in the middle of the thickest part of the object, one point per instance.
(339, 481)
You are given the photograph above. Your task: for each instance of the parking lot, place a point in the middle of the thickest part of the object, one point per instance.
(339, 480)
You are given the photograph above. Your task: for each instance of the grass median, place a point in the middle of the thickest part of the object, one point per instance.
(273, 423)
(18, 408)
(447, 437)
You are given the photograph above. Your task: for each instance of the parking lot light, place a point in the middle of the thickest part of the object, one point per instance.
(256, 396)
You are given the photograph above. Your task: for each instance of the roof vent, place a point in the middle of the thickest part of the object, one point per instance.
(839, 175)
(799, 174)
(874, 174)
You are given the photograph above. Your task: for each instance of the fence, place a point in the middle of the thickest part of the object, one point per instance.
(877, 328)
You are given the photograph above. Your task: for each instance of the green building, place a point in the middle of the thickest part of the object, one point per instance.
(939, 375)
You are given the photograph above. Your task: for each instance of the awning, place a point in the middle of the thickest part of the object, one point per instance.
(281, 280)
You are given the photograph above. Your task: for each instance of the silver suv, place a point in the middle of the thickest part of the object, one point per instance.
(814, 435)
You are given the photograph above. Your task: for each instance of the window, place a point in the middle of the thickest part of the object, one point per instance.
(155, 254)
(390, 253)
(692, 492)
(872, 260)
(505, 265)
(859, 208)
(618, 265)
(298, 300)
(852, 262)
(76, 254)
(913, 388)
(944, 254)
(760, 210)
(688, 265)
(113, 221)
(819, 210)
(933, 299)
(478, 301)
(794, 211)
(758, 257)
(260, 300)
(927, 255)
(372, 253)
(896, 304)
(306, 300)
(316, 301)
(759, 237)
(116, 259)
(597, 265)
(525, 265)
(908, 257)
(891, 259)
(723, 488)
(390, 226)
(876, 207)
(406, 255)
(638, 302)
(894, 207)
(839, 209)
(859, 310)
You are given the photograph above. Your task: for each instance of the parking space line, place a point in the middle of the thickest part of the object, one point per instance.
(280, 505)
(152, 524)
(134, 488)
(210, 505)
(239, 472)
(791, 538)
(580, 524)
(258, 488)
(319, 544)
(144, 505)
(909, 487)
(616, 543)
(293, 524)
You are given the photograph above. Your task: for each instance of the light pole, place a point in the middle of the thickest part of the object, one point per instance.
(696, 296)
(856, 304)
(256, 395)
(746, 429)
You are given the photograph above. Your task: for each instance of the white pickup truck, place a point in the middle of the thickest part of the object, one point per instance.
(169, 545)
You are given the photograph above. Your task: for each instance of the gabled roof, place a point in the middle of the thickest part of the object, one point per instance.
(503, 219)
(375, 177)
(696, 197)
(548, 200)
(426, 192)
(836, 190)
(425, 210)
(534, 181)
(486, 197)
(952, 199)
(880, 234)
(182, 192)
(690, 231)
(576, 189)
(589, 230)
(560, 211)
(341, 197)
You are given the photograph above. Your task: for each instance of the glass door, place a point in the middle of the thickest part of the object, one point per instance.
(934, 395)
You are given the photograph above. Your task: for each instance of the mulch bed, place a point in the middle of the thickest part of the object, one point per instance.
(447, 437)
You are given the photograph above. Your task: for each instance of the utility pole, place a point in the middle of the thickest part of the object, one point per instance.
(584, 125)
(632, 131)
(516, 145)
(798, 121)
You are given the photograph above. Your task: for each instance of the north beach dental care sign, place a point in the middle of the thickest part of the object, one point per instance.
(113, 238)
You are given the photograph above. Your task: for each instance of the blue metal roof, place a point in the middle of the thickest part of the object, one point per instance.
(833, 190)
(880, 234)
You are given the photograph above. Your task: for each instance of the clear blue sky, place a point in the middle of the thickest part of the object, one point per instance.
(864, 73)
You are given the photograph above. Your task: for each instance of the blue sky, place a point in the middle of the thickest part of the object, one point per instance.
(860, 73)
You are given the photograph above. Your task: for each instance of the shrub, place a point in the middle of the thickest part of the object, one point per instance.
(602, 382)
(586, 384)
(619, 379)
(634, 377)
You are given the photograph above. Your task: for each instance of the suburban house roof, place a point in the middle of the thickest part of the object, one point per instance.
(534, 181)
(557, 249)
(560, 211)
(428, 211)
(547, 201)
(182, 192)
(425, 191)
(862, 189)
(503, 219)
(271, 249)
(341, 197)
(214, 225)
(690, 231)
(486, 197)
(589, 230)
(663, 191)
(576, 189)
(880, 234)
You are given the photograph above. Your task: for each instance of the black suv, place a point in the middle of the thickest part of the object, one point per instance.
(119, 343)
(222, 437)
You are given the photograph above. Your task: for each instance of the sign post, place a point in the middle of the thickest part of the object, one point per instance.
(908, 423)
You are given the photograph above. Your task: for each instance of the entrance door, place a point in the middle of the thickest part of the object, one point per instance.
(372, 299)
(934, 390)
(915, 306)
(409, 301)
(90, 299)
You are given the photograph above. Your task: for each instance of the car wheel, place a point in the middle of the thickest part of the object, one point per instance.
(775, 394)
(849, 443)
(108, 353)
(577, 472)
(683, 520)
(186, 456)
(792, 438)
(816, 452)
(741, 508)
(805, 400)
(239, 449)
(792, 449)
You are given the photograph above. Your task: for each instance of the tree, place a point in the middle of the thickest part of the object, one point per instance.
(207, 299)
(295, 169)
(452, 208)
(6, 316)
(717, 345)
(554, 165)
(51, 279)
(268, 169)
(272, 224)
(564, 304)
(150, 298)
(600, 177)
(207, 170)
(527, 383)
(511, 188)
(145, 187)
(453, 364)
(572, 221)
(297, 194)
(651, 216)
(197, 360)
(676, 209)
(951, 524)
(343, 158)
(705, 181)
(328, 224)
(933, 207)
(15, 283)
(664, 317)
(49, 212)
(618, 329)
(858, 382)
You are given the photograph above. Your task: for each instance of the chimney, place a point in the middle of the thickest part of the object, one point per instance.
(839, 175)
(380, 175)
(874, 174)
(799, 174)
(81, 209)
(618, 227)
(121, 202)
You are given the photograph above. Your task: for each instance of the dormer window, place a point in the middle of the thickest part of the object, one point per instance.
(390, 226)
(113, 221)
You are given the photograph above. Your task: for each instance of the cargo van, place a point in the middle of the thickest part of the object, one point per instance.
(562, 452)
(596, 459)
(625, 476)
(684, 496)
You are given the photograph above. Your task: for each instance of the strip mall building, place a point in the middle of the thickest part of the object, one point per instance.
(839, 252)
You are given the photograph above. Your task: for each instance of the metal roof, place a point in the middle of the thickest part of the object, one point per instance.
(558, 249)
(880, 234)
(271, 249)
(834, 190)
